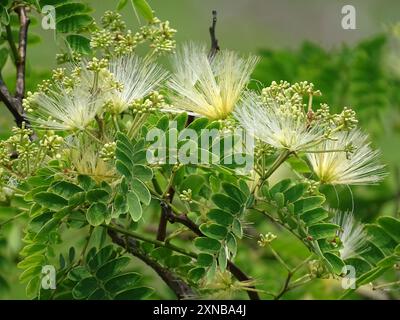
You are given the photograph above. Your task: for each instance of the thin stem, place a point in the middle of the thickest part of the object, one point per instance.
(149, 240)
(13, 218)
(277, 163)
(389, 284)
(279, 258)
(115, 122)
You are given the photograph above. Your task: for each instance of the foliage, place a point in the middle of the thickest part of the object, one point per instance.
(94, 195)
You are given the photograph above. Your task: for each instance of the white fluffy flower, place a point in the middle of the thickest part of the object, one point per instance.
(210, 87)
(138, 77)
(351, 234)
(61, 109)
(336, 167)
(281, 126)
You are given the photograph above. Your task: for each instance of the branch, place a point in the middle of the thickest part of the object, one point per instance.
(23, 35)
(235, 270)
(181, 289)
(10, 102)
(14, 104)
(214, 41)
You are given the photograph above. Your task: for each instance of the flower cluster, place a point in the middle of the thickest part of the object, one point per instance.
(209, 87)
(113, 38)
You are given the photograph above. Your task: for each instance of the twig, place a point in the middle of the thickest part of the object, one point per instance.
(214, 41)
(285, 286)
(181, 289)
(11, 103)
(14, 104)
(23, 35)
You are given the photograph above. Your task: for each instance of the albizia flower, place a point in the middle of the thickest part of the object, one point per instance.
(138, 77)
(61, 109)
(334, 166)
(283, 126)
(351, 234)
(205, 86)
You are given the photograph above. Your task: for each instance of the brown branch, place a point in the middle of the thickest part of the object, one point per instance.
(10, 102)
(181, 289)
(21, 62)
(214, 41)
(14, 104)
(235, 270)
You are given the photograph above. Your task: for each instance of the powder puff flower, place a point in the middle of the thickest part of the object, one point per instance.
(283, 126)
(334, 166)
(205, 86)
(61, 109)
(351, 234)
(138, 77)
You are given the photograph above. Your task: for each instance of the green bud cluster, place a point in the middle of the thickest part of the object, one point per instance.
(155, 101)
(108, 151)
(265, 240)
(186, 195)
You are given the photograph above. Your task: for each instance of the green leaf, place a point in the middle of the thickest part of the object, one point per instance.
(231, 243)
(123, 169)
(314, 216)
(391, 226)
(237, 228)
(101, 257)
(335, 263)
(220, 216)
(79, 43)
(134, 207)
(122, 282)
(196, 274)
(299, 165)
(77, 199)
(142, 172)
(307, 204)
(70, 9)
(135, 294)
(86, 182)
(97, 195)
(226, 203)
(78, 273)
(294, 193)
(323, 230)
(380, 237)
(281, 186)
(30, 273)
(50, 200)
(112, 268)
(96, 213)
(74, 23)
(204, 260)
(214, 231)
(234, 192)
(141, 191)
(144, 9)
(121, 4)
(222, 259)
(207, 244)
(84, 288)
(65, 189)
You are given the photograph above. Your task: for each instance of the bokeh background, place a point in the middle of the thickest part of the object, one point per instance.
(297, 40)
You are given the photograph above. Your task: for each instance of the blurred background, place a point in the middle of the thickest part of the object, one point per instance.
(297, 41)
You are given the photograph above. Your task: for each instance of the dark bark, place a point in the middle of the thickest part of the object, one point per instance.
(181, 289)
